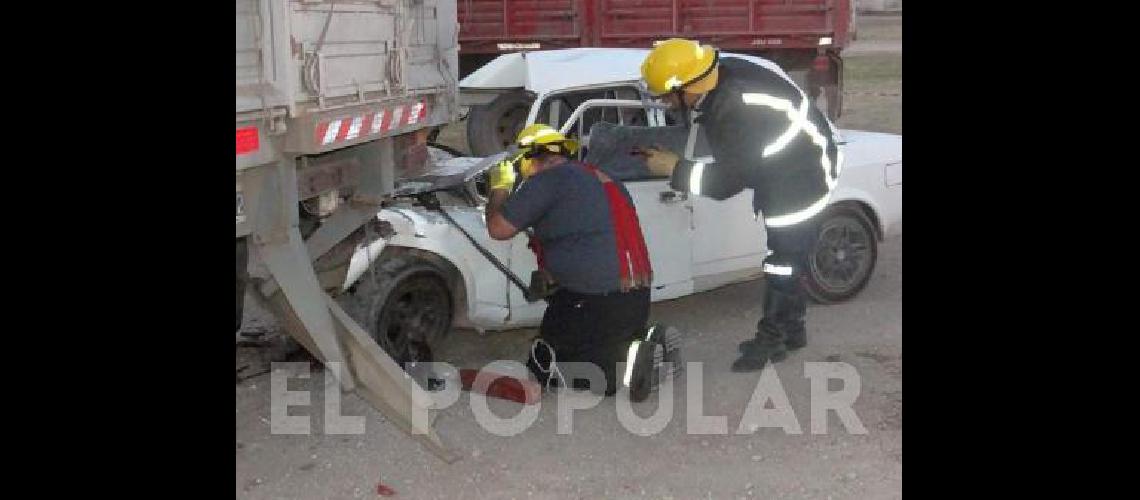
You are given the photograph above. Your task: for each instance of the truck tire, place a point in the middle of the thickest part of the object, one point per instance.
(493, 127)
(242, 278)
(842, 257)
(405, 306)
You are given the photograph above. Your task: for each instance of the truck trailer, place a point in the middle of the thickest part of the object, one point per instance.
(805, 37)
(335, 101)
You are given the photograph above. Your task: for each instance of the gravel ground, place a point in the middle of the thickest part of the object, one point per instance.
(602, 460)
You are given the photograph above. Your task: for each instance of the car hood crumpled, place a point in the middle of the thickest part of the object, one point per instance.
(447, 174)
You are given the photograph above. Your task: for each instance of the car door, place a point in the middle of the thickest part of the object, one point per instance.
(729, 242)
(665, 215)
(667, 224)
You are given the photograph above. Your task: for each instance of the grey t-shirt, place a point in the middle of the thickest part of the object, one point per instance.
(567, 207)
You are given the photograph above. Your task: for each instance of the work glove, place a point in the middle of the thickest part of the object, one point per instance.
(502, 175)
(661, 162)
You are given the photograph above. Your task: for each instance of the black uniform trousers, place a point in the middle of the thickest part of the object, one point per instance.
(785, 302)
(590, 328)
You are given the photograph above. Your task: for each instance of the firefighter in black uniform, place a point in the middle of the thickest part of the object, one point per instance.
(763, 134)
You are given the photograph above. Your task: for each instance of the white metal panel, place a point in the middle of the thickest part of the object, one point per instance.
(523, 263)
(249, 27)
(872, 175)
(667, 227)
(547, 70)
(726, 235)
(261, 63)
(894, 173)
(489, 301)
(366, 47)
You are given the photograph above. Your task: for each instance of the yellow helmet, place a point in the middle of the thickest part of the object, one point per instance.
(678, 62)
(541, 136)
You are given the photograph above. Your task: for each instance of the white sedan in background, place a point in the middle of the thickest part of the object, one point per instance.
(409, 287)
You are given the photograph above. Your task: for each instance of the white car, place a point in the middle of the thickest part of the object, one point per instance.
(410, 287)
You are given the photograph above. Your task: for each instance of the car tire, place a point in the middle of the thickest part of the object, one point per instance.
(493, 127)
(842, 257)
(405, 304)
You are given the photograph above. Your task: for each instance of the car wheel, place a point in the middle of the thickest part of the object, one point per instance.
(493, 127)
(842, 257)
(405, 305)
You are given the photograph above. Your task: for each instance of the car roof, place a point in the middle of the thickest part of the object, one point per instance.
(541, 71)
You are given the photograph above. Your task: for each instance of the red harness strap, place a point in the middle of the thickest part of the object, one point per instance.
(535, 246)
(633, 257)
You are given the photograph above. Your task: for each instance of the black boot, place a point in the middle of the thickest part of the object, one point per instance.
(755, 359)
(767, 346)
(792, 321)
(796, 337)
(784, 310)
(669, 340)
(747, 363)
(641, 369)
(752, 344)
